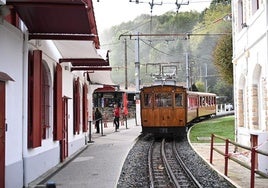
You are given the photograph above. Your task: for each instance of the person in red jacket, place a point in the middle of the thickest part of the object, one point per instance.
(116, 116)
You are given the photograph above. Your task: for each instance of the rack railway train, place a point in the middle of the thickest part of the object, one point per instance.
(170, 109)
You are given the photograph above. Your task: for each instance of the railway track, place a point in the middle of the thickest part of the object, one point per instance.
(166, 168)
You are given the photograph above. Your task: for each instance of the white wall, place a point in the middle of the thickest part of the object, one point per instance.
(21, 162)
(250, 60)
(11, 62)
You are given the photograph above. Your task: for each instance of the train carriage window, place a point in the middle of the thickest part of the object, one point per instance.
(202, 101)
(210, 101)
(148, 100)
(163, 99)
(178, 99)
(192, 102)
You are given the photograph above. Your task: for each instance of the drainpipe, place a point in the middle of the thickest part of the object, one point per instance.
(24, 98)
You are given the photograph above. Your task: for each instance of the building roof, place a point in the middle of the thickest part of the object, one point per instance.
(58, 19)
(72, 27)
(82, 55)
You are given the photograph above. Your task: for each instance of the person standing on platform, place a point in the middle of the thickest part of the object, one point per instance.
(116, 116)
(98, 117)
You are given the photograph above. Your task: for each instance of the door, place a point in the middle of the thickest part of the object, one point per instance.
(64, 141)
(2, 134)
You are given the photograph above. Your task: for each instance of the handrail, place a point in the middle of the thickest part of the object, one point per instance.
(101, 126)
(89, 130)
(226, 154)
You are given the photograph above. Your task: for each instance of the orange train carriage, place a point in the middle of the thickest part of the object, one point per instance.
(168, 109)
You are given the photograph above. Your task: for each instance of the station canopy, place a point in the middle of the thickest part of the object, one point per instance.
(71, 25)
(57, 19)
(81, 54)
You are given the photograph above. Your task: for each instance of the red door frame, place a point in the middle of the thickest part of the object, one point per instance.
(64, 141)
(2, 133)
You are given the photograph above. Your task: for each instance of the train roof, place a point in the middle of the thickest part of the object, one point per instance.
(154, 86)
(181, 87)
(201, 93)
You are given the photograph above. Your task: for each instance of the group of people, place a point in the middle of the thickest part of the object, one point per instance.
(98, 117)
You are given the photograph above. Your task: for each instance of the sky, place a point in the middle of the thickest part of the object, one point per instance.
(113, 12)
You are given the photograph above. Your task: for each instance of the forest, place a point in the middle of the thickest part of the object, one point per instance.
(200, 43)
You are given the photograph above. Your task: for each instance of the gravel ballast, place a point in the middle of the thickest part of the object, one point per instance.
(134, 172)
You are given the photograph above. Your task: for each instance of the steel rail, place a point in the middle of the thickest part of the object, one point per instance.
(169, 169)
(186, 170)
(150, 164)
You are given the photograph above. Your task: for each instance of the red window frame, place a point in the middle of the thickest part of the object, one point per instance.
(45, 103)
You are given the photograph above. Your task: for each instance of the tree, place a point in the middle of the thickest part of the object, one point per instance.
(222, 58)
(159, 50)
(200, 85)
(223, 89)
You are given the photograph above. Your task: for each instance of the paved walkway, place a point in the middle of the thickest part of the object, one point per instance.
(99, 164)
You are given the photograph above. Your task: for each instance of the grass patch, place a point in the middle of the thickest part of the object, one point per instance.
(201, 132)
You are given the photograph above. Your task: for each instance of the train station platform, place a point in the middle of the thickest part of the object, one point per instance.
(100, 162)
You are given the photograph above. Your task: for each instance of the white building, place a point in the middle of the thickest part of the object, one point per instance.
(45, 94)
(250, 59)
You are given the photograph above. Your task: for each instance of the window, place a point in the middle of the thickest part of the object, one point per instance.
(240, 19)
(178, 99)
(39, 100)
(255, 6)
(192, 102)
(148, 100)
(163, 99)
(45, 101)
(203, 101)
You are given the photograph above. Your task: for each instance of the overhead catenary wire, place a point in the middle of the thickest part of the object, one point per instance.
(150, 45)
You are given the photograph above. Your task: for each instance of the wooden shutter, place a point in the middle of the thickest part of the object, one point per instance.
(85, 108)
(76, 106)
(34, 99)
(2, 132)
(13, 17)
(58, 105)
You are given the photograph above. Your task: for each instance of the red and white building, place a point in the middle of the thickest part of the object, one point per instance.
(250, 59)
(49, 58)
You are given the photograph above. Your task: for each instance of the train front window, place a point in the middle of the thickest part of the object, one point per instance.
(178, 99)
(163, 100)
(148, 98)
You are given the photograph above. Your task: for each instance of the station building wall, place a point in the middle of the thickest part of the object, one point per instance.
(250, 59)
(23, 164)
(11, 56)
